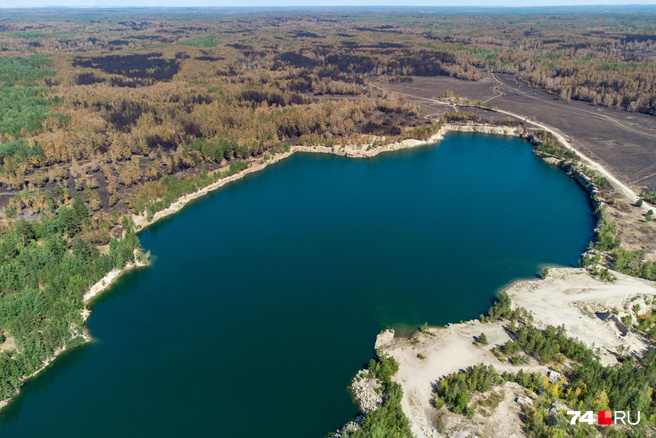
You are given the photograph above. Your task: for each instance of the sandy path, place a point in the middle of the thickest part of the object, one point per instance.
(572, 297)
(626, 191)
(623, 188)
(450, 350)
(568, 296)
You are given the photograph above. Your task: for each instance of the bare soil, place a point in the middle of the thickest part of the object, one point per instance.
(8, 344)
(568, 296)
(623, 142)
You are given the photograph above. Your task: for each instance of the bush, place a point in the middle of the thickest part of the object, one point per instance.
(606, 239)
(383, 367)
(500, 309)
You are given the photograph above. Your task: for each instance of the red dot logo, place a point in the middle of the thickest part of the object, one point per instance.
(604, 417)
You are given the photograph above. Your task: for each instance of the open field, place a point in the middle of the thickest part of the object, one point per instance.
(625, 143)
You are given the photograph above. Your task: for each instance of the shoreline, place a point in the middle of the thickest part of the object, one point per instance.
(350, 151)
(567, 296)
(95, 290)
(108, 279)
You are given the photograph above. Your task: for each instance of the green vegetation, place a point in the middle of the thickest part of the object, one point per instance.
(24, 71)
(648, 196)
(389, 419)
(203, 41)
(158, 195)
(633, 263)
(455, 389)
(551, 345)
(186, 89)
(23, 105)
(598, 180)
(646, 324)
(501, 309)
(22, 110)
(588, 385)
(45, 268)
(556, 151)
(227, 91)
(606, 237)
(386, 421)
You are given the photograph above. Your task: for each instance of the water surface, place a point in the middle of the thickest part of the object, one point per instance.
(264, 298)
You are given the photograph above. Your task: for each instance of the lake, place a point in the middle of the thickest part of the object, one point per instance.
(265, 297)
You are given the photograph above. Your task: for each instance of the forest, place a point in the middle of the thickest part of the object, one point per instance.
(107, 114)
(104, 102)
(46, 266)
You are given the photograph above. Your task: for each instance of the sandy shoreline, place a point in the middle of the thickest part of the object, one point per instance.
(109, 278)
(348, 151)
(568, 296)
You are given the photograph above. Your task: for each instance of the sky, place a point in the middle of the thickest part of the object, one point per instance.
(301, 3)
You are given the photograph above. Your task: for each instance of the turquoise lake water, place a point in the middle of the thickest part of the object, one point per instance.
(264, 298)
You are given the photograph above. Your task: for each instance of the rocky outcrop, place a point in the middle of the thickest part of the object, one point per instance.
(367, 391)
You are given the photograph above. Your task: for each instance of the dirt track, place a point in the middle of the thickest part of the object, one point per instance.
(568, 296)
(623, 142)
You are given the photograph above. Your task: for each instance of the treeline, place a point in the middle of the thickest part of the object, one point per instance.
(632, 262)
(380, 60)
(606, 66)
(608, 240)
(648, 196)
(23, 108)
(45, 267)
(467, 117)
(614, 82)
(456, 389)
(168, 126)
(155, 196)
(23, 103)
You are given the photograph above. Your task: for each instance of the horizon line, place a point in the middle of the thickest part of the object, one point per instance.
(382, 6)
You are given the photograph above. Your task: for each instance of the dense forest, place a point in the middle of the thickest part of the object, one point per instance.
(46, 266)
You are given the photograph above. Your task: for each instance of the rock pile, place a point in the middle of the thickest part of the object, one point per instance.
(366, 391)
(349, 428)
